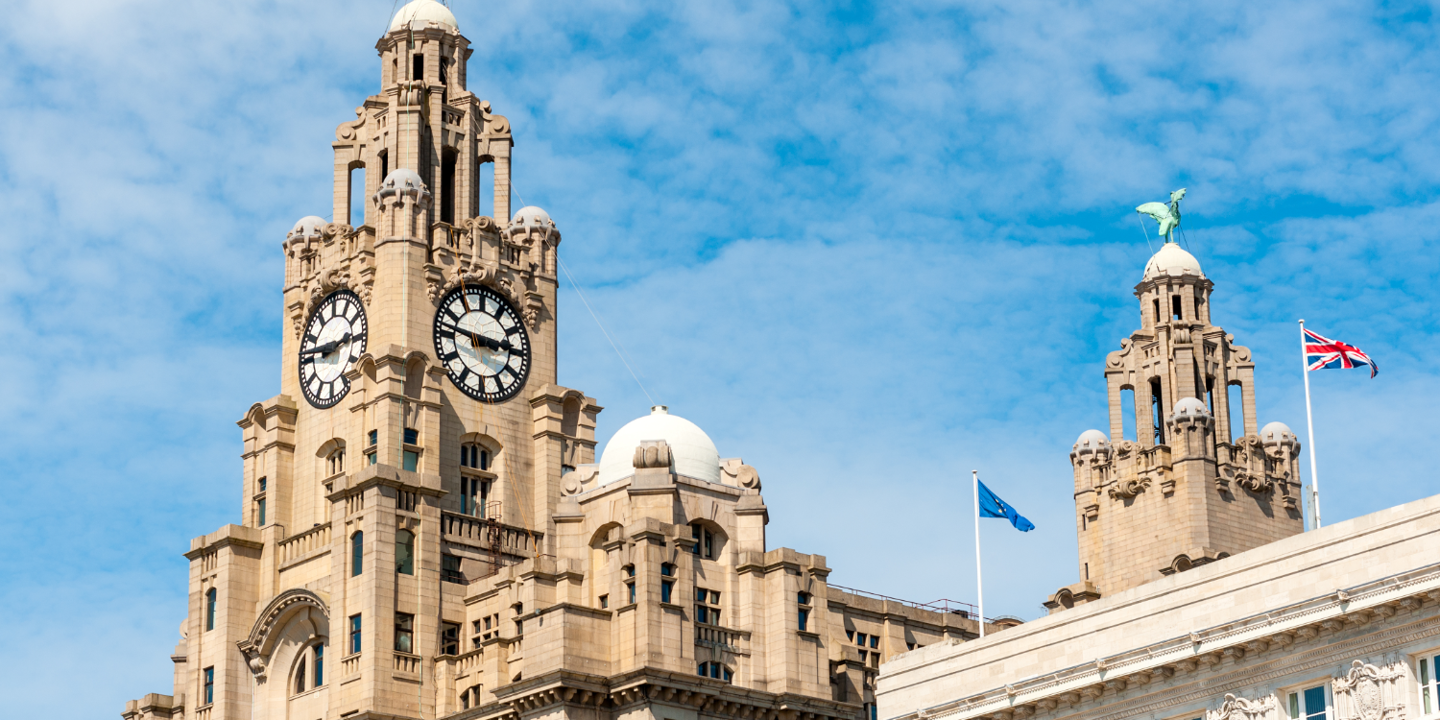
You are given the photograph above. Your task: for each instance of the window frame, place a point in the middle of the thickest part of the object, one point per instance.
(211, 599)
(1295, 706)
(208, 688)
(404, 562)
(356, 625)
(357, 553)
(1428, 686)
(405, 633)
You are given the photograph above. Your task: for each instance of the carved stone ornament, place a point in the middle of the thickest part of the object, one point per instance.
(263, 637)
(1129, 488)
(325, 267)
(1368, 692)
(574, 481)
(652, 454)
(738, 473)
(1233, 708)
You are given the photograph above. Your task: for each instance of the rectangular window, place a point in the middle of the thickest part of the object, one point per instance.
(631, 587)
(1428, 686)
(210, 597)
(665, 589)
(404, 632)
(449, 638)
(262, 484)
(874, 641)
(412, 436)
(804, 619)
(319, 665)
(260, 512)
(1309, 704)
(604, 601)
(210, 685)
(450, 569)
(371, 458)
(354, 634)
(411, 461)
(374, 436)
(860, 639)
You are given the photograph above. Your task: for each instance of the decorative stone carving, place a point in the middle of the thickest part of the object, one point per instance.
(1233, 708)
(1127, 488)
(263, 636)
(321, 258)
(652, 454)
(738, 473)
(1368, 692)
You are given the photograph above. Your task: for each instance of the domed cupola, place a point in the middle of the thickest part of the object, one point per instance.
(423, 13)
(401, 205)
(692, 452)
(1172, 261)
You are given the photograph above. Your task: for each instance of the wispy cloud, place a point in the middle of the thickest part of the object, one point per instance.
(866, 246)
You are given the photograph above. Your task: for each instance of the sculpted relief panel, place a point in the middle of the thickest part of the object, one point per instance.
(1369, 692)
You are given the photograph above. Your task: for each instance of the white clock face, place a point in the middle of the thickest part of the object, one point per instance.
(482, 343)
(334, 340)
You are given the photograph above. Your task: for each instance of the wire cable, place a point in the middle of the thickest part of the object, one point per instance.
(613, 344)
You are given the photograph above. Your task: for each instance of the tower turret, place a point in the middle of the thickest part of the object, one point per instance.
(1196, 482)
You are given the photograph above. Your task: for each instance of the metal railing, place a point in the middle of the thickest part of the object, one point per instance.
(943, 605)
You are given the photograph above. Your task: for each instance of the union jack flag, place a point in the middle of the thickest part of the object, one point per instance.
(1322, 352)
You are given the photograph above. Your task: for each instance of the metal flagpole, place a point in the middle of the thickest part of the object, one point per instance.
(979, 588)
(1310, 424)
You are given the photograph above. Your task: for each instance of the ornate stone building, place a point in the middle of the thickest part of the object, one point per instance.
(1203, 599)
(425, 530)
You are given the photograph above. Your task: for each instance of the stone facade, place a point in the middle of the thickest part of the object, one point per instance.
(1199, 482)
(410, 551)
(1204, 599)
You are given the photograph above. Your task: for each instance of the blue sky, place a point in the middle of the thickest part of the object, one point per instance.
(867, 247)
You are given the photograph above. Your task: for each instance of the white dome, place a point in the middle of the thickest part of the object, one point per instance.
(422, 12)
(1190, 407)
(1276, 433)
(692, 452)
(308, 226)
(1171, 260)
(1091, 440)
(531, 215)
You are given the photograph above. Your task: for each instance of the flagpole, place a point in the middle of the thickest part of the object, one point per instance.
(1310, 425)
(979, 587)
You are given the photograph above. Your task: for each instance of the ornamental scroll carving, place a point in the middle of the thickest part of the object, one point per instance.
(1368, 692)
(1127, 488)
(738, 473)
(325, 259)
(1234, 708)
(484, 257)
(652, 454)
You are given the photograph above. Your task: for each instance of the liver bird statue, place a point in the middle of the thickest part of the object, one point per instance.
(1167, 215)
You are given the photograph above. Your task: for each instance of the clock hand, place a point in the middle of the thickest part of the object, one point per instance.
(327, 348)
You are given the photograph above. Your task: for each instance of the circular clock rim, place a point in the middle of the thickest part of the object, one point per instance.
(300, 361)
(509, 307)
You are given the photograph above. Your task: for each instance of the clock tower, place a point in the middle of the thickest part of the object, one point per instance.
(425, 529)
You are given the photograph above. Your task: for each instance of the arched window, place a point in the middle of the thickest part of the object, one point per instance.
(210, 596)
(336, 461)
(357, 552)
(309, 669)
(405, 552)
(474, 455)
(704, 541)
(714, 670)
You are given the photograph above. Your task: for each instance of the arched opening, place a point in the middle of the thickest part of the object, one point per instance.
(1235, 398)
(485, 186)
(1175, 307)
(477, 460)
(332, 457)
(1155, 317)
(448, 160)
(570, 417)
(356, 200)
(384, 156)
(414, 378)
(1127, 412)
(709, 539)
(1157, 411)
(405, 552)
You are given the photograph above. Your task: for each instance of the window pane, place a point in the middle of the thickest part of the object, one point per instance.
(354, 634)
(412, 460)
(357, 552)
(404, 627)
(874, 641)
(405, 552)
(319, 665)
(665, 589)
(1315, 704)
(300, 676)
(260, 513)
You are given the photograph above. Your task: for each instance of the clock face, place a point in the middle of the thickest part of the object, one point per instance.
(482, 343)
(334, 340)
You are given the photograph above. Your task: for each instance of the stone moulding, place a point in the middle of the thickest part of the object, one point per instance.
(1200, 645)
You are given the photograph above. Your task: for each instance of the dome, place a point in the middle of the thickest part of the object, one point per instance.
(401, 180)
(1091, 441)
(1190, 407)
(693, 453)
(308, 226)
(531, 215)
(421, 13)
(1171, 260)
(1277, 433)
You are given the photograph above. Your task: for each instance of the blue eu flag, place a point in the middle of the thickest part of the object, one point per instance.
(992, 506)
